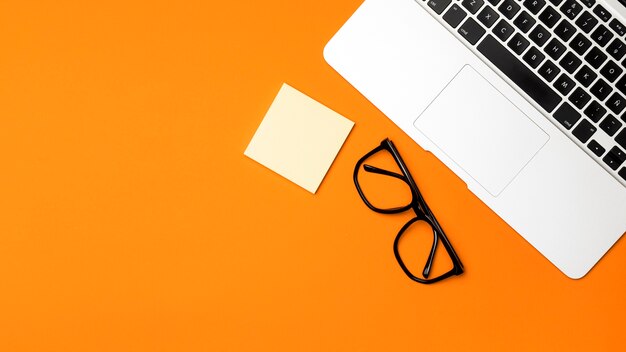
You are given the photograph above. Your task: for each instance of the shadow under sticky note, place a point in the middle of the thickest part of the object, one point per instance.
(299, 138)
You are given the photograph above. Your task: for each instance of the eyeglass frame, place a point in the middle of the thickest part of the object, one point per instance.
(420, 208)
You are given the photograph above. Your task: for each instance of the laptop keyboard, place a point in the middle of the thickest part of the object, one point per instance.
(566, 55)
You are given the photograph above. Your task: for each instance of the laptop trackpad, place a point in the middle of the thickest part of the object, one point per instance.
(481, 130)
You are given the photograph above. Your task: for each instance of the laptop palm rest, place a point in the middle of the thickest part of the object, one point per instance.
(481, 130)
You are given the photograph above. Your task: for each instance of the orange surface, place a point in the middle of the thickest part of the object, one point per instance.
(130, 219)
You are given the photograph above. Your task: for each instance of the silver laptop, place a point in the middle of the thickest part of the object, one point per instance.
(523, 100)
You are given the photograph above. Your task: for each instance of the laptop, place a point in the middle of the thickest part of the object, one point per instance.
(523, 100)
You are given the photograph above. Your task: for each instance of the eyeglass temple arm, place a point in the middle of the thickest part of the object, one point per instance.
(375, 170)
(431, 256)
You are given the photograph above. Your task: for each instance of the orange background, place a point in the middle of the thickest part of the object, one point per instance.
(130, 220)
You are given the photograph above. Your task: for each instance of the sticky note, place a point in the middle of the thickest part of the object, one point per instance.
(299, 138)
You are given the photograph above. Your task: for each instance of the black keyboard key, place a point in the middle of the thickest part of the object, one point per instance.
(549, 17)
(549, 71)
(595, 57)
(614, 158)
(438, 5)
(602, 13)
(621, 138)
(565, 30)
(564, 84)
(556, 2)
(585, 76)
(586, 22)
(570, 62)
(610, 125)
(509, 8)
(516, 71)
(534, 57)
(473, 5)
(471, 31)
(616, 103)
(621, 85)
(584, 130)
(566, 115)
(571, 9)
(524, 21)
(622, 173)
(601, 89)
(611, 161)
(454, 15)
(539, 35)
(554, 49)
(494, 2)
(579, 98)
(602, 35)
(503, 30)
(580, 44)
(518, 44)
(595, 111)
(589, 3)
(596, 148)
(619, 154)
(534, 6)
(488, 16)
(611, 71)
(616, 49)
(618, 27)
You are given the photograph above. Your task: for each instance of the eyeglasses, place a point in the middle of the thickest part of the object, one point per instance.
(424, 218)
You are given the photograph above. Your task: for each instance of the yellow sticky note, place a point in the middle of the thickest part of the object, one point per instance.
(299, 138)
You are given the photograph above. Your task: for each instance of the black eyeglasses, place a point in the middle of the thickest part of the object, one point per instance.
(423, 214)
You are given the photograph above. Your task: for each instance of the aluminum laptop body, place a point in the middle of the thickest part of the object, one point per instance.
(438, 69)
